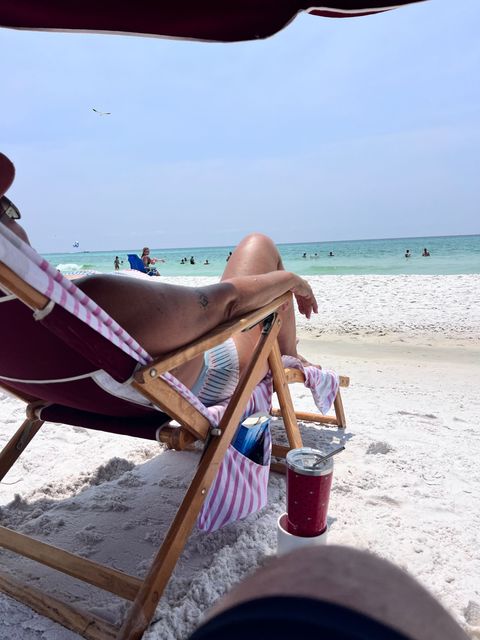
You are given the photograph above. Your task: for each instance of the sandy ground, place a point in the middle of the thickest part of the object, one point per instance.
(407, 487)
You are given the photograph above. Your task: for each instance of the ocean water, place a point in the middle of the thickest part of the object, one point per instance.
(448, 255)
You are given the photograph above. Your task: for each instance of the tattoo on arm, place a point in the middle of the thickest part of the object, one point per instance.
(202, 299)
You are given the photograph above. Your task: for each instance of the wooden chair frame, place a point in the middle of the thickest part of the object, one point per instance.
(145, 594)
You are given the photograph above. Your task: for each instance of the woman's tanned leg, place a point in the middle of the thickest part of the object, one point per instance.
(257, 254)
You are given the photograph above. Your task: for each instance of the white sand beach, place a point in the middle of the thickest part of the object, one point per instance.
(407, 487)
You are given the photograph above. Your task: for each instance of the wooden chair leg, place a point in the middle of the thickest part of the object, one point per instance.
(339, 411)
(17, 444)
(287, 410)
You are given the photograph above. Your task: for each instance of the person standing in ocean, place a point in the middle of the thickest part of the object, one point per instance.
(116, 263)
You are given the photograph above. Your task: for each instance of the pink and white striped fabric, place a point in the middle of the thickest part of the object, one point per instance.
(240, 488)
(323, 383)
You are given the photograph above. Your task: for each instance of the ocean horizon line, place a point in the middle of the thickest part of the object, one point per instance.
(283, 244)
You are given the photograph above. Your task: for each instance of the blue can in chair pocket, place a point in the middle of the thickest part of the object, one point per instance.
(250, 435)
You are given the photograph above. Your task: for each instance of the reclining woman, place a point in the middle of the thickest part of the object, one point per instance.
(164, 317)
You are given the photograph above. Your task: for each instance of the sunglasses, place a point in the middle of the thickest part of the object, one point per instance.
(9, 209)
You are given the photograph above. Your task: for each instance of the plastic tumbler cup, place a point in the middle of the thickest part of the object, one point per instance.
(308, 491)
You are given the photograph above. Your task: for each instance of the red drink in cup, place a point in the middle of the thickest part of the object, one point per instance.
(308, 491)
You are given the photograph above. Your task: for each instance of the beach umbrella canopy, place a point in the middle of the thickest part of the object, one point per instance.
(210, 20)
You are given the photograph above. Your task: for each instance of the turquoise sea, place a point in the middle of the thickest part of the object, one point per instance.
(448, 255)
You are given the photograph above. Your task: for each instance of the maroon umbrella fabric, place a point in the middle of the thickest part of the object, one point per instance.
(210, 20)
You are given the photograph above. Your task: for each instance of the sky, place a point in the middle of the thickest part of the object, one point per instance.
(330, 130)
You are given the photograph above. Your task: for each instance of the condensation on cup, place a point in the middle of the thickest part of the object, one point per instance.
(308, 491)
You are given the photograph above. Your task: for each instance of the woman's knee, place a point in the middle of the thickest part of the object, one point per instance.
(261, 245)
(258, 238)
(256, 253)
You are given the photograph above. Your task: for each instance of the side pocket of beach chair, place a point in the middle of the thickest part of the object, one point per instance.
(239, 489)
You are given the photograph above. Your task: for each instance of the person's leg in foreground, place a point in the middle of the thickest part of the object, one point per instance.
(329, 593)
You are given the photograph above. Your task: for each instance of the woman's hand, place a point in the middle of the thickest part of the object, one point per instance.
(304, 296)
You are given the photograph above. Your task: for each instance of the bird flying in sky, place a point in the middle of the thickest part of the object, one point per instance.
(102, 113)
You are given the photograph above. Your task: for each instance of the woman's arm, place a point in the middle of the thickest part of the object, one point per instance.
(252, 292)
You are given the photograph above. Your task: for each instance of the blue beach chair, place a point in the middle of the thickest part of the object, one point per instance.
(137, 264)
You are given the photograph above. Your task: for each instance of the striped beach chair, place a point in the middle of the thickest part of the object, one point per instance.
(73, 364)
